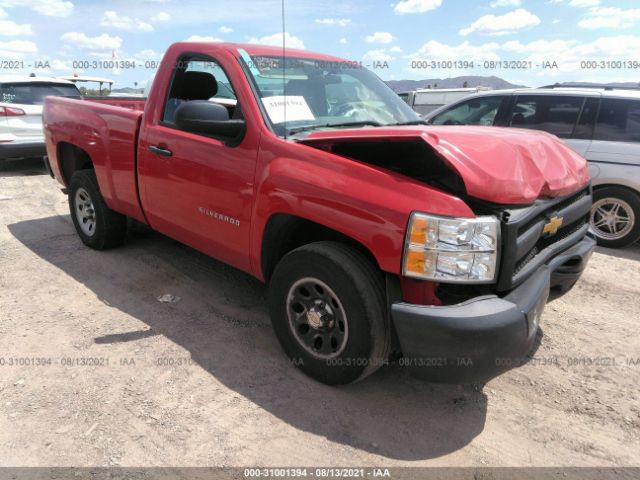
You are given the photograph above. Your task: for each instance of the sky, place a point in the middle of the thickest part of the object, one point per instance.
(546, 41)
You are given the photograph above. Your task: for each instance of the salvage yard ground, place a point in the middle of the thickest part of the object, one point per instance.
(96, 371)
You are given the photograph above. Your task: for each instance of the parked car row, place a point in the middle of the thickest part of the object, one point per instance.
(600, 123)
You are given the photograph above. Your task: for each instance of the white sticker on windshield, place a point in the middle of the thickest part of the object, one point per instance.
(297, 108)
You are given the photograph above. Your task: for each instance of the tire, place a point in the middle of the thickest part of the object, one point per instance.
(98, 226)
(625, 204)
(345, 307)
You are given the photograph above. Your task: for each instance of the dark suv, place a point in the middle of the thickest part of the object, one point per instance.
(602, 124)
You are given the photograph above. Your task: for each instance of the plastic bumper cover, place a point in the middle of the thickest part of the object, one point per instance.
(22, 150)
(477, 340)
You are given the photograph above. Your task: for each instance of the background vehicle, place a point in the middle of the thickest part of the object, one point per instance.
(104, 84)
(425, 100)
(407, 97)
(21, 100)
(601, 123)
(342, 200)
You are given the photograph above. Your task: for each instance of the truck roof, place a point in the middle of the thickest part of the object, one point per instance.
(266, 50)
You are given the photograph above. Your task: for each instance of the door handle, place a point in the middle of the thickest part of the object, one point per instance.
(160, 151)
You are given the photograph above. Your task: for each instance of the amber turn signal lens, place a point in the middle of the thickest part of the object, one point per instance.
(415, 261)
(418, 234)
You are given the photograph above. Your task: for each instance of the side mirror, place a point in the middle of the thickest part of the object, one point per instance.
(208, 118)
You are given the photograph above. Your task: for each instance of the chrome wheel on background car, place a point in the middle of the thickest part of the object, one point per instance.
(614, 216)
(317, 318)
(85, 212)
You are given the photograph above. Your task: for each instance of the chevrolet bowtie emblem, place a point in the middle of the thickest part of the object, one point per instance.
(552, 227)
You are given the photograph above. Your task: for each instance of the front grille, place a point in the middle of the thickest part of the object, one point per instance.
(522, 263)
(545, 242)
(561, 205)
(525, 247)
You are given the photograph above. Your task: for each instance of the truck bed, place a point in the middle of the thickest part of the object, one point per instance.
(108, 131)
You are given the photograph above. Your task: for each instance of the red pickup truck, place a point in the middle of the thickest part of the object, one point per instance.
(375, 233)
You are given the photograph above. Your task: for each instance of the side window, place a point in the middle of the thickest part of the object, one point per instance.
(618, 121)
(476, 111)
(200, 79)
(587, 120)
(524, 112)
(555, 114)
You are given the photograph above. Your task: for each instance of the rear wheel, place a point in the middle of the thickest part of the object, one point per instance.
(328, 310)
(615, 217)
(97, 225)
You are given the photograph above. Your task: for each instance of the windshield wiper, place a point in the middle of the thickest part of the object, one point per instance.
(362, 123)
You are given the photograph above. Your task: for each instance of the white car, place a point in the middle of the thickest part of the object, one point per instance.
(21, 100)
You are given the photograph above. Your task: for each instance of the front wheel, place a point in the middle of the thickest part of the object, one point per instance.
(328, 310)
(615, 217)
(98, 226)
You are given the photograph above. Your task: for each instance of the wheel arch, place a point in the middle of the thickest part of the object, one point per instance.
(72, 158)
(630, 189)
(284, 232)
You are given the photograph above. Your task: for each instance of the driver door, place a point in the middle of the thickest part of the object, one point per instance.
(196, 188)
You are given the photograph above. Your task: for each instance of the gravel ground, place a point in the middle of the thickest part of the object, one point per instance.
(96, 371)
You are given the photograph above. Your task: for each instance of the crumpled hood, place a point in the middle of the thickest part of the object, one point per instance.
(500, 165)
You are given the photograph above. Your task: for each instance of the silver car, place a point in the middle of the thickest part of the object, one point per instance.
(21, 100)
(600, 123)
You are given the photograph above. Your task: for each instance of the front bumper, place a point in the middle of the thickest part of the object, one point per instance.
(477, 340)
(10, 150)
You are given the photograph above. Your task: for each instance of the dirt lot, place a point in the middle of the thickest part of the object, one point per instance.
(108, 375)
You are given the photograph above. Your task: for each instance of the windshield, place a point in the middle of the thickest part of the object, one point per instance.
(323, 94)
(34, 93)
